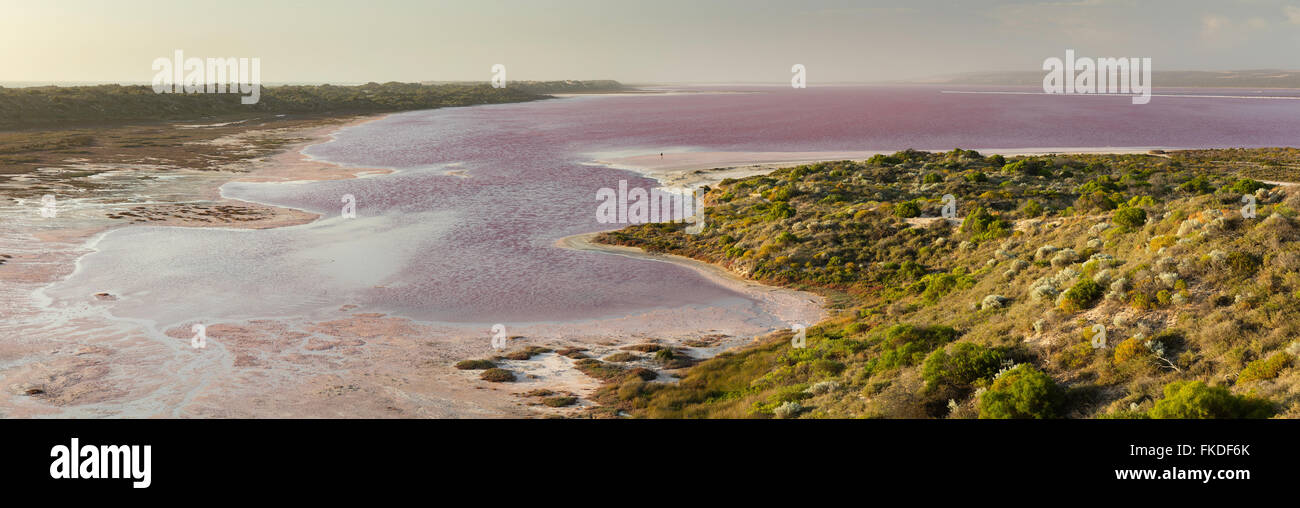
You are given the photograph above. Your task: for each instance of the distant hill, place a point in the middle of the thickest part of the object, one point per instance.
(544, 87)
(57, 106)
(1265, 78)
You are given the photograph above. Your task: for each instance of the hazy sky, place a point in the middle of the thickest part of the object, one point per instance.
(634, 40)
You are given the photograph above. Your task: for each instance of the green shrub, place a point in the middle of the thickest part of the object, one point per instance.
(910, 270)
(1032, 209)
(964, 364)
(907, 209)
(1139, 201)
(884, 160)
(475, 364)
(904, 345)
(1243, 264)
(938, 285)
(1022, 392)
(1267, 368)
(1131, 218)
(1198, 185)
(780, 210)
(1193, 399)
(1031, 167)
(496, 375)
(527, 353)
(1083, 295)
(598, 369)
(827, 367)
(560, 401)
(1247, 186)
(783, 193)
(982, 225)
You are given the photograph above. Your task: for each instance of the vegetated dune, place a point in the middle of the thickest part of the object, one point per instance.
(1161, 285)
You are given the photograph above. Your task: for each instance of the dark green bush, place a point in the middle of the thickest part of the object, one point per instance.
(1131, 217)
(475, 364)
(1031, 167)
(1083, 295)
(976, 177)
(961, 364)
(982, 225)
(1198, 185)
(1247, 186)
(903, 345)
(1243, 264)
(907, 209)
(780, 210)
(1022, 392)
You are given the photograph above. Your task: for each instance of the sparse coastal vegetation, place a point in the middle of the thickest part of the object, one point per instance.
(1070, 286)
(475, 365)
(498, 375)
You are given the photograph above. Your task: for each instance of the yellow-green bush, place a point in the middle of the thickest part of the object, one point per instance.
(1266, 368)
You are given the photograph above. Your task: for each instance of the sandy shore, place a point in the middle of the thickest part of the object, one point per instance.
(689, 169)
(788, 305)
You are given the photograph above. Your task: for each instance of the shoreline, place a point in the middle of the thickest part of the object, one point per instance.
(691, 169)
(714, 272)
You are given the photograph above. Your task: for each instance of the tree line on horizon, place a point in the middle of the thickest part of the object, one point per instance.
(55, 106)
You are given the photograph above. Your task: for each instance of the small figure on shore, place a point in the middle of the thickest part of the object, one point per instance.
(661, 155)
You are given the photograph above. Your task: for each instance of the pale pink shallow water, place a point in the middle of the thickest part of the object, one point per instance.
(479, 248)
